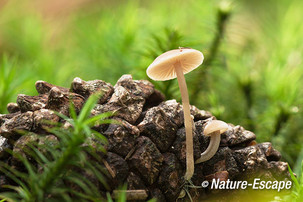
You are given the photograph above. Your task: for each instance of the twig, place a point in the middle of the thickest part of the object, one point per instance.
(130, 153)
(110, 170)
(131, 194)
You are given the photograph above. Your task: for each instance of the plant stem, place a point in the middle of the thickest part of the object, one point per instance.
(281, 120)
(247, 89)
(201, 74)
(187, 122)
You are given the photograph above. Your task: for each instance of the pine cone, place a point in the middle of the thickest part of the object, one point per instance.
(147, 149)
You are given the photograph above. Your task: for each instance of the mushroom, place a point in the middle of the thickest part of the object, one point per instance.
(172, 64)
(214, 129)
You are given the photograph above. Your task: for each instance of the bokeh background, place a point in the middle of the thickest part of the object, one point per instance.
(251, 75)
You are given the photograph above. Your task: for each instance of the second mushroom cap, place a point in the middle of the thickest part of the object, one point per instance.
(215, 125)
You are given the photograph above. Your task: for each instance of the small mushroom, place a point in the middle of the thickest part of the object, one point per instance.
(172, 64)
(214, 129)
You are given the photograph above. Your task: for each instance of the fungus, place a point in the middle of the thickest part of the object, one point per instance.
(172, 64)
(214, 129)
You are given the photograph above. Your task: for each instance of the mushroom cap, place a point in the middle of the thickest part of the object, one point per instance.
(215, 125)
(162, 68)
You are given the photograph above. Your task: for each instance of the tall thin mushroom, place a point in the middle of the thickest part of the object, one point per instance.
(172, 64)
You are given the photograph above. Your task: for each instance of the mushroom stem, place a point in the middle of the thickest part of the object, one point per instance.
(211, 149)
(187, 122)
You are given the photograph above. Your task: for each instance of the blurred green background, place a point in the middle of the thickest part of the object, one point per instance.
(251, 75)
